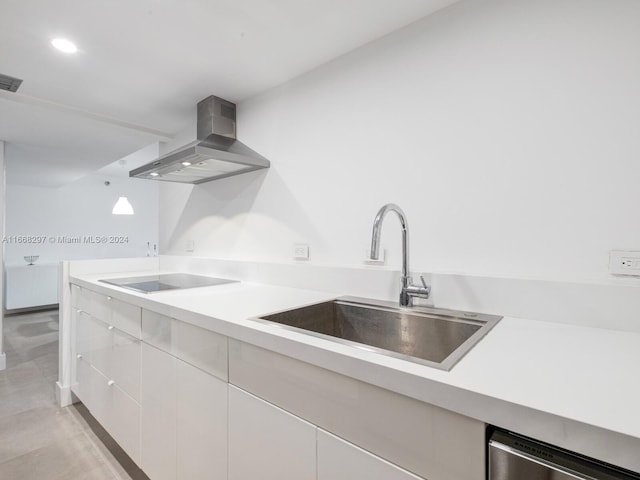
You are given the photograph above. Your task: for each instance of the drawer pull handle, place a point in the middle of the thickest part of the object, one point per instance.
(110, 327)
(79, 356)
(110, 383)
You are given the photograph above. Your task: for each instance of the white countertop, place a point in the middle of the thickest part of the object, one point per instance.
(576, 387)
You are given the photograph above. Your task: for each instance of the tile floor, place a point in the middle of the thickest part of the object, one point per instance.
(39, 440)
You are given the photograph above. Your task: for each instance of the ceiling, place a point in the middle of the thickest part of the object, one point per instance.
(143, 65)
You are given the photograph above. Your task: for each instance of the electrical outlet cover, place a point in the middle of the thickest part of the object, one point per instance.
(624, 262)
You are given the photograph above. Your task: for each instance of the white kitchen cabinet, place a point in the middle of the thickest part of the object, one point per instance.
(201, 348)
(201, 424)
(158, 426)
(81, 351)
(31, 285)
(117, 412)
(123, 316)
(110, 351)
(163, 396)
(268, 443)
(429, 441)
(82, 379)
(184, 419)
(341, 460)
(106, 365)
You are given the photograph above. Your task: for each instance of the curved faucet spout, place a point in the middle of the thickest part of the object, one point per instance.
(377, 231)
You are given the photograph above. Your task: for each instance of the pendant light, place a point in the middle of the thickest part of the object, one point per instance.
(122, 207)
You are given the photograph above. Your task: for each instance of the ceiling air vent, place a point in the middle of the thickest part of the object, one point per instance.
(8, 83)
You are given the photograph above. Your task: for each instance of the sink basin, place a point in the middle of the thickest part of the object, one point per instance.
(430, 336)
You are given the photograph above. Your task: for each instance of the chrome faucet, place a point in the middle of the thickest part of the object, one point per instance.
(408, 289)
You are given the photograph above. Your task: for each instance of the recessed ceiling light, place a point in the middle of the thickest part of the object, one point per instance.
(64, 45)
(154, 174)
(186, 164)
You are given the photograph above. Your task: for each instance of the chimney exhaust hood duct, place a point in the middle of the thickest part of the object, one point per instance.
(216, 153)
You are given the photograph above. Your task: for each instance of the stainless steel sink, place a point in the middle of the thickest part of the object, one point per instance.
(429, 336)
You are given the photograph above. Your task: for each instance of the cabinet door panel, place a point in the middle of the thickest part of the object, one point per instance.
(83, 333)
(101, 345)
(100, 398)
(125, 317)
(95, 305)
(125, 364)
(83, 299)
(82, 381)
(200, 347)
(156, 330)
(432, 442)
(124, 415)
(268, 443)
(80, 350)
(201, 424)
(340, 460)
(75, 296)
(158, 402)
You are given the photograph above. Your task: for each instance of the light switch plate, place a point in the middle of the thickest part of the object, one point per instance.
(624, 262)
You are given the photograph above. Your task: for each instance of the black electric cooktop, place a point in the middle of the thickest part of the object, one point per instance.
(166, 281)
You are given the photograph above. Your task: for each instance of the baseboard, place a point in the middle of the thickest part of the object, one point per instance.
(3, 361)
(39, 308)
(63, 395)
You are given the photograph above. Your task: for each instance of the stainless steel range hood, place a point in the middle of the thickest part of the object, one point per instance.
(216, 153)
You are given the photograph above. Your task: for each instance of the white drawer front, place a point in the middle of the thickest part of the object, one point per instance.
(156, 330)
(111, 311)
(76, 291)
(117, 412)
(95, 305)
(100, 346)
(340, 460)
(99, 398)
(81, 384)
(82, 333)
(125, 363)
(124, 420)
(125, 317)
(197, 346)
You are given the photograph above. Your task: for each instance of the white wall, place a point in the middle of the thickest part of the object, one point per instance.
(506, 129)
(3, 359)
(79, 209)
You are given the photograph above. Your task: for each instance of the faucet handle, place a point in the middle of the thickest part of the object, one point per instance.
(425, 290)
(417, 290)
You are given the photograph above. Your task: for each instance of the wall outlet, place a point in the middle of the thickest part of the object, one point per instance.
(300, 251)
(624, 262)
(379, 261)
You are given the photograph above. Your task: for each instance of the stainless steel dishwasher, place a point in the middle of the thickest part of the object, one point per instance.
(512, 457)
